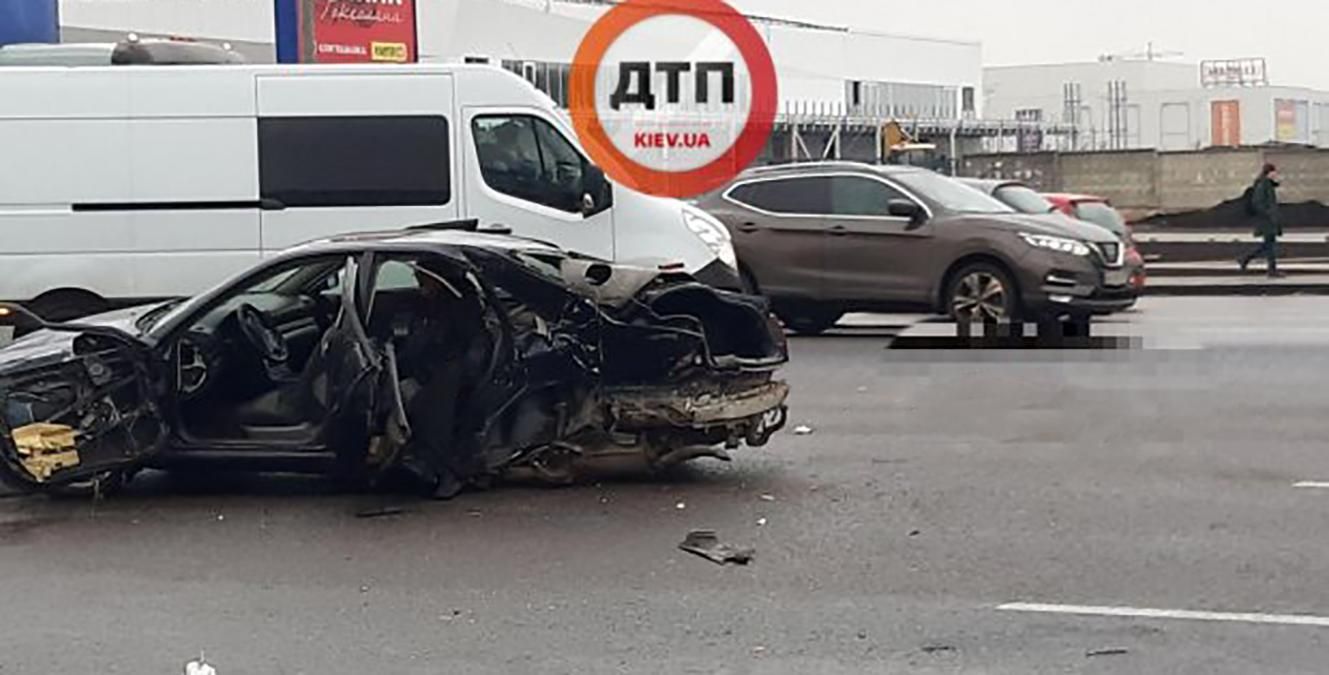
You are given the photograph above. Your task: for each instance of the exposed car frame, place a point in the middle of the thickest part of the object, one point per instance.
(564, 361)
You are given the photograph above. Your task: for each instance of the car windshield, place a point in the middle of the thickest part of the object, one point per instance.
(949, 193)
(1103, 215)
(150, 319)
(1023, 199)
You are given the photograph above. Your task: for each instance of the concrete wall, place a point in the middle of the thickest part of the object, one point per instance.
(1199, 180)
(1143, 182)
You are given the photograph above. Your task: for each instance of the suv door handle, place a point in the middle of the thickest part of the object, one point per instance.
(748, 228)
(839, 231)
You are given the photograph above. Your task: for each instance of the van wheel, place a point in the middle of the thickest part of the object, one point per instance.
(809, 320)
(982, 293)
(68, 305)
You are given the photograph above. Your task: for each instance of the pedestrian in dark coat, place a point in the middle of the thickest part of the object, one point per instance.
(1268, 222)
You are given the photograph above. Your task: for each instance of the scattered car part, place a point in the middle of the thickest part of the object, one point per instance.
(706, 544)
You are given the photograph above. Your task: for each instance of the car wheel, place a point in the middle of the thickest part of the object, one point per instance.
(810, 320)
(982, 293)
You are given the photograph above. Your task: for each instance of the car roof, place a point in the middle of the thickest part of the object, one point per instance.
(438, 237)
(991, 184)
(1072, 197)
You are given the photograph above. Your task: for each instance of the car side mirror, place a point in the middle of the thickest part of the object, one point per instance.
(903, 208)
(597, 195)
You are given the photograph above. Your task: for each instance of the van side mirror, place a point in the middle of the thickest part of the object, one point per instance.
(597, 194)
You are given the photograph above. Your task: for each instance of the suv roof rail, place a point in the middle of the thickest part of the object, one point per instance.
(772, 168)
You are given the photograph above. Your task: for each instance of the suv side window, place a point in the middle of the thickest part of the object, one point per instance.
(786, 196)
(859, 196)
(526, 157)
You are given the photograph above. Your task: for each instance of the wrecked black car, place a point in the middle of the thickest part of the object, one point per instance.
(449, 355)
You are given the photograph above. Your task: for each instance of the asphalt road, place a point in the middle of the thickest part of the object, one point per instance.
(935, 489)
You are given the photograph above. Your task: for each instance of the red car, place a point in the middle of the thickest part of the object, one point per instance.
(1099, 211)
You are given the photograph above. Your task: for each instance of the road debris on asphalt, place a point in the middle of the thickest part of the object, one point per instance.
(1107, 652)
(199, 667)
(803, 430)
(681, 505)
(768, 498)
(761, 522)
(938, 649)
(706, 544)
(381, 512)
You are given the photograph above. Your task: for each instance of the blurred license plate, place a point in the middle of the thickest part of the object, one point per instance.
(1116, 278)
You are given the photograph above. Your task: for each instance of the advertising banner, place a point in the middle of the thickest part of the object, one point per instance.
(1226, 123)
(29, 21)
(1291, 120)
(346, 31)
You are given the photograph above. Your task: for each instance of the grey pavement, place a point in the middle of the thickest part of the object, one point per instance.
(934, 488)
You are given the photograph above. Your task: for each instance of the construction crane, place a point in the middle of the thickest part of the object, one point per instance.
(1149, 54)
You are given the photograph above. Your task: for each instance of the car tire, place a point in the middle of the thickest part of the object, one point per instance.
(982, 292)
(810, 320)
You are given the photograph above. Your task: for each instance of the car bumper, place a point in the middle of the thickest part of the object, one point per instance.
(1059, 284)
(719, 275)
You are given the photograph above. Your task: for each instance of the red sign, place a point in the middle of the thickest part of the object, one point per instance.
(357, 31)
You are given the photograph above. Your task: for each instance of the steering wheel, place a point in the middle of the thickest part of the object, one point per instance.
(259, 330)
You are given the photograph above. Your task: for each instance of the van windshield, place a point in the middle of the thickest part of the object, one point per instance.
(949, 193)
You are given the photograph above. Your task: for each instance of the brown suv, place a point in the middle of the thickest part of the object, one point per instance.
(824, 239)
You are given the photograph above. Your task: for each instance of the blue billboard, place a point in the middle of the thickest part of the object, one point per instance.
(29, 21)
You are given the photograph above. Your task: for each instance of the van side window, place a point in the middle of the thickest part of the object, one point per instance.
(526, 157)
(786, 196)
(859, 196)
(355, 161)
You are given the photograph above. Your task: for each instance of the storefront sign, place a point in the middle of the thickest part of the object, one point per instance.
(346, 31)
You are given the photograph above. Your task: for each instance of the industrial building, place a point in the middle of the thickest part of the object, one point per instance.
(1150, 102)
(839, 86)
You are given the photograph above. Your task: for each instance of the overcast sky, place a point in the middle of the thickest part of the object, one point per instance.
(1290, 33)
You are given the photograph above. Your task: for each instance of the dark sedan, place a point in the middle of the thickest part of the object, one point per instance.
(440, 352)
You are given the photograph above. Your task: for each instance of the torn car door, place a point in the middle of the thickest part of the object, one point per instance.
(352, 371)
(78, 417)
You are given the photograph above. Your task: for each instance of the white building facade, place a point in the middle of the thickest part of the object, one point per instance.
(822, 69)
(1156, 104)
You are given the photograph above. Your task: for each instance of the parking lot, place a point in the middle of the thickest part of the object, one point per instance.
(1145, 510)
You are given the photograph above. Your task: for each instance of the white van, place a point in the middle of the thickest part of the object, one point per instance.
(130, 182)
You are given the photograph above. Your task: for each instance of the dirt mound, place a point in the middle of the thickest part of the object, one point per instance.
(1231, 215)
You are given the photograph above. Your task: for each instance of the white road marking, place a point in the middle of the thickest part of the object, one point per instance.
(1311, 485)
(1175, 614)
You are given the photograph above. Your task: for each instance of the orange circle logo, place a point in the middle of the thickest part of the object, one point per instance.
(673, 128)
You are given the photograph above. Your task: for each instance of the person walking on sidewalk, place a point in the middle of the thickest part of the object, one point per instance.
(1268, 223)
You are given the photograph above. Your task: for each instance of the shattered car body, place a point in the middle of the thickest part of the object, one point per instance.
(454, 355)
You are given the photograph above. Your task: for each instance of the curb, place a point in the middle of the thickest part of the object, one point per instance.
(1235, 290)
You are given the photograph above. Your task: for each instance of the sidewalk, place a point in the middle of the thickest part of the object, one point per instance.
(1211, 283)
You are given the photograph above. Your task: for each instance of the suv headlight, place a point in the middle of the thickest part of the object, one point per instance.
(712, 232)
(1058, 244)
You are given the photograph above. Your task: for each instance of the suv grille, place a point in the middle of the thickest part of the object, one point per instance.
(1113, 253)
